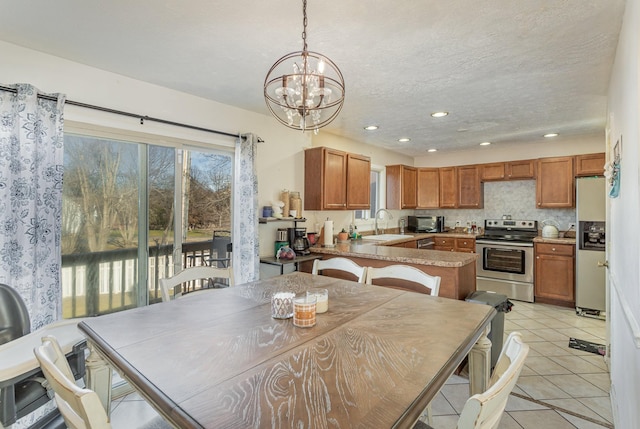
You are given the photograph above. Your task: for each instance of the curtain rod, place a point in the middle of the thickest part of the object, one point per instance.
(129, 114)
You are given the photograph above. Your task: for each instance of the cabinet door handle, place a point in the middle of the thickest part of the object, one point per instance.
(604, 264)
(537, 257)
(553, 249)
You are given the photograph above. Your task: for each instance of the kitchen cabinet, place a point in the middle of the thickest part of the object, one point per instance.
(446, 244)
(494, 171)
(590, 165)
(470, 195)
(454, 244)
(401, 187)
(467, 245)
(555, 183)
(335, 180)
(358, 182)
(511, 170)
(448, 187)
(554, 280)
(518, 170)
(428, 188)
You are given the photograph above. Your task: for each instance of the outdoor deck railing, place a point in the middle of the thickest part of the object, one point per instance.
(105, 282)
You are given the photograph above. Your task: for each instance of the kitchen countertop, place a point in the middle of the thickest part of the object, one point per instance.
(564, 240)
(371, 250)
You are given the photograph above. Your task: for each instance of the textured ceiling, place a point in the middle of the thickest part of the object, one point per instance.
(507, 71)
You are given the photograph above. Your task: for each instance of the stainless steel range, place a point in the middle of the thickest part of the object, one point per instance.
(505, 262)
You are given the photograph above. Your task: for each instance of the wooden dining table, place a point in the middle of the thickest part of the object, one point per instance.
(217, 359)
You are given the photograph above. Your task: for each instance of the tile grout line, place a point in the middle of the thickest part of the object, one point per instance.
(564, 410)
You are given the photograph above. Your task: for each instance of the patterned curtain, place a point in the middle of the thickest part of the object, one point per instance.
(31, 167)
(246, 259)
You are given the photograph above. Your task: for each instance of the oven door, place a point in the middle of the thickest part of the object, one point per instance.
(505, 260)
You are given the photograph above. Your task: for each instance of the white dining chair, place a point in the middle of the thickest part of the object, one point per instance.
(191, 274)
(484, 410)
(340, 264)
(405, 272)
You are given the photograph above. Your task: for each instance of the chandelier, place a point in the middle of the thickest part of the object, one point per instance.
(304, 90)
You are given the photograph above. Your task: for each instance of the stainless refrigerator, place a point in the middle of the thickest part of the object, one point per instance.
(590, 246)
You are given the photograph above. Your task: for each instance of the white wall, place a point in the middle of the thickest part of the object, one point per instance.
(279, 163)
(557, 146)
(623, 228)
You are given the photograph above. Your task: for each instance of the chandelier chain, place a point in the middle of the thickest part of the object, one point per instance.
(304, 25)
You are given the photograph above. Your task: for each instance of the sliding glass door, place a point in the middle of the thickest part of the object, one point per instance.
(132, 214)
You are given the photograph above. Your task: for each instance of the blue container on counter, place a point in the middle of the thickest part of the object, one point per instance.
(267, 211)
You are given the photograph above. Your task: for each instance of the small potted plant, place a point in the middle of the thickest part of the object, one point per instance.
(342, 235)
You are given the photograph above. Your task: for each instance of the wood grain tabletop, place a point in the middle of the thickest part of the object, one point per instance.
(217, 359)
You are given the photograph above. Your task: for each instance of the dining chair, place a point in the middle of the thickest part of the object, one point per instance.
(484, 410)
(192, 274)
(405, 272)
(81, 408)
(340, 264)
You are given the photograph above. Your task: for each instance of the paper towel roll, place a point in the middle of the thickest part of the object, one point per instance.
(328, 233)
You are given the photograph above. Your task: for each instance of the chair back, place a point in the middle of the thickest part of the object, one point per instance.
(484, 410)
(191, 274)
(340, 264)
(221, 247)
(80, 408)
(407, 273)
(14, 316)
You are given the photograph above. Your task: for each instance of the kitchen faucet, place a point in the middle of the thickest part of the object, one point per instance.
(375, 225)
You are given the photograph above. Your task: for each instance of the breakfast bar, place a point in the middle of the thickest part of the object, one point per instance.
(457, 270)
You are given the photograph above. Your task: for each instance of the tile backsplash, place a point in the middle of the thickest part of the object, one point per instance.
(516, 198)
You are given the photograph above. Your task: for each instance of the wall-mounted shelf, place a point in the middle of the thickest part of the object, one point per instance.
(281, 219)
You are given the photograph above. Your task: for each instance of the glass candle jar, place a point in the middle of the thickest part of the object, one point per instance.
(322, 299)
(304, 311)
(282, 305)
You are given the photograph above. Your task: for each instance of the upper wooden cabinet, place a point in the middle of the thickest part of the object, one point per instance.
(358, 182)
(494, 171)
(511, 170)
(470, 194)
(590, 165)
(448, 187)
(428, 188)
(555, 183)
(401, 187)
(335, 180)
(516, 170)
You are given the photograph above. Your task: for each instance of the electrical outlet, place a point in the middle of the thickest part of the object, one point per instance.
(458, 223)
(571, 226)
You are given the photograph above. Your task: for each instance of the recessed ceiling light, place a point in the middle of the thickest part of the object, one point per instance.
(551, 135)
(439, 114)
(404, 140)
(371, 127)
(432, 150)
(485, 143)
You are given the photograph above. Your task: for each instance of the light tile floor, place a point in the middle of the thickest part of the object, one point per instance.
(564, 387)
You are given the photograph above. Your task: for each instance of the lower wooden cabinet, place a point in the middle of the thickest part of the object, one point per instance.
(555, 274)
(454, 244)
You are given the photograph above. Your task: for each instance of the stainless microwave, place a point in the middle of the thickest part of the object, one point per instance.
(425, 223)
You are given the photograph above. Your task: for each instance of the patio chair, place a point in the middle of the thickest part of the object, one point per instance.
(221, 248)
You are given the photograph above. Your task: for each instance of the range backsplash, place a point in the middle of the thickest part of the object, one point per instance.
(516, 198)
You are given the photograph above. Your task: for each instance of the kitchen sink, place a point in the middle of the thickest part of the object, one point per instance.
(386, 237)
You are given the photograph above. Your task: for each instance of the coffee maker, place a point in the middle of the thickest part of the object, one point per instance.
(299, 241)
